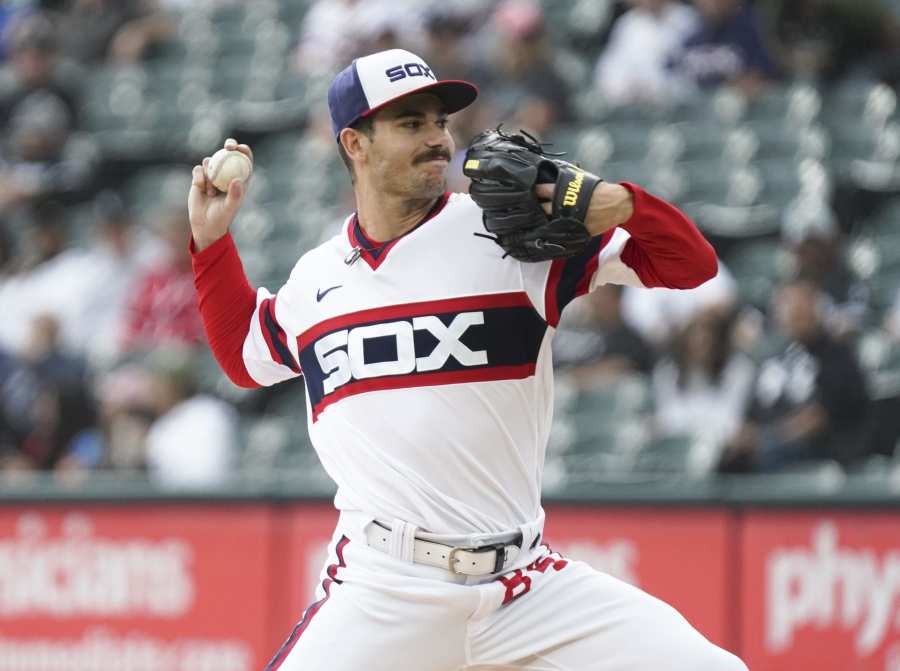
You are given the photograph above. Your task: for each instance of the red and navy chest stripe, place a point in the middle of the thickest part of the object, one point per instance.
(451, 341)
(571, 277)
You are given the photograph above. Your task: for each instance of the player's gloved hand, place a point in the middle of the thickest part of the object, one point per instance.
(504, 169)
(211, 211)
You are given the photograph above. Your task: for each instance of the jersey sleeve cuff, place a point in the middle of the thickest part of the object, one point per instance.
(635, 221)
(215, 251)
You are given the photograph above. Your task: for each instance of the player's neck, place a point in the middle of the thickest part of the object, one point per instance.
(385, 217)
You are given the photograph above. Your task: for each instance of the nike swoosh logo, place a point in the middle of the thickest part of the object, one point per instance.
(321, 294)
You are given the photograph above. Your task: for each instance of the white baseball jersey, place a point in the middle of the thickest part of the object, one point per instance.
(427, 359)
(427, 366)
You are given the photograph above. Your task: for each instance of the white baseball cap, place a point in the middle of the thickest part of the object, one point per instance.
(371, 82)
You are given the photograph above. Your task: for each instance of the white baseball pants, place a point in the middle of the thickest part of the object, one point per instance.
(377, 613)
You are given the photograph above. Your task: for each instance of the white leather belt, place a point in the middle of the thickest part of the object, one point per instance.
(476, 561)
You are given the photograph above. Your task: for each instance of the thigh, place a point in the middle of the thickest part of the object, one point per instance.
(339, 635)
(574, 618)
(365, 619)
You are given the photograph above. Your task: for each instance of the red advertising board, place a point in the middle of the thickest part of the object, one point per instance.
(135, 588)
(679, 555)
(820, 590)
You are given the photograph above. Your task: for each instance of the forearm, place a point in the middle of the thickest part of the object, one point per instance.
(611, 205)
(227, 303)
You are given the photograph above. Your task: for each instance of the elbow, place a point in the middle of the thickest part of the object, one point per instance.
(244, 383)
(704, 266)
(241, 378)
(707, 264)
(235, 370)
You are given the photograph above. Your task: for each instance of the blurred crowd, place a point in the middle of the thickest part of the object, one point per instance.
(103, 364)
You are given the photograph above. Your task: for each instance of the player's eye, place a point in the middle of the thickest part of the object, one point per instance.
(442, 123)
(412, 124)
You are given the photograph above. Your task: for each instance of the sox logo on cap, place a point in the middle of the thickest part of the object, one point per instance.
(371, 82)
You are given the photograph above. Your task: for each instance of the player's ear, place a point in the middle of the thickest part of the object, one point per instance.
(353, 143)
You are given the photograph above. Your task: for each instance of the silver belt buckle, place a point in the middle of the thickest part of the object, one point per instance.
(499, 558)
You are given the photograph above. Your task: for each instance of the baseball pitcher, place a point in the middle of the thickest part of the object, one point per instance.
(422, 331)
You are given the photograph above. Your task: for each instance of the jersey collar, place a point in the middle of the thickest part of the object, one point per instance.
(374, 253)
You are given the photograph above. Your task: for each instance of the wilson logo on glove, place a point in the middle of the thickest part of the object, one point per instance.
(572, 190)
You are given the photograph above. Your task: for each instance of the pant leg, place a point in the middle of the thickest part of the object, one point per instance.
(374, 614)
(574, 618)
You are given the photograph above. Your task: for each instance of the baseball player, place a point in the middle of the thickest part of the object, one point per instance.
(425, 350)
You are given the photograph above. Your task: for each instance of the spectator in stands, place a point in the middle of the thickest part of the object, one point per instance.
(335, 31)
(633, 67)
(727, 48)
(447, 49)
(163, 308)
(594, 344)
(121, 31)
(35, 67)
(101, 276)
(659, 314)
(702, 389)
(126, 398)
(192, 443)
(42, 158)
(60, 409)
(810, 232)
(824, 39)
(522, 83)
(10, 12)
(35, 286)
(810, 399)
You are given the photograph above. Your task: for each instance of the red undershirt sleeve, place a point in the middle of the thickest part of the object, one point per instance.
(665, 249)
(227, 303)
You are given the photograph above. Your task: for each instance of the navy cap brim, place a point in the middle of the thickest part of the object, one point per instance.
(455, 94)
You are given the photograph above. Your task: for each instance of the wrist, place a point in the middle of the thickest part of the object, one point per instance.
(611, 205)
(201, 242)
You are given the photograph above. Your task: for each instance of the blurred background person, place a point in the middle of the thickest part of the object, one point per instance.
(593, 344)
(703, 387)
(820, 40)
(162, 310)
(810, 399)
(520, 78)
(658, 314)
(35, 65)
(812, 236)
(727, 47)
(49, 402)
(192, 441)
(102, 275)
(634, 65)
(336, 31)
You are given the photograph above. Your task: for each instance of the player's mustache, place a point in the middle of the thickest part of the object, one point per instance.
(434, 155)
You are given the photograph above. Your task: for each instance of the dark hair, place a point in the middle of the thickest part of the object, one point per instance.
(364, 125)
(721, 323)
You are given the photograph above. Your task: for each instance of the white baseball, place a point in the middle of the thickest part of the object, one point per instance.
(226, 165)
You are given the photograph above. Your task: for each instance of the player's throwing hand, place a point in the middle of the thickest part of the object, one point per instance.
(211, 211)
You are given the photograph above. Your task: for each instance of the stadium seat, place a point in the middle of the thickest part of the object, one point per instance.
(669, 454)
(757, 267)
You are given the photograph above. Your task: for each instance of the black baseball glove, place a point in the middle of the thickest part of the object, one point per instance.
(504, 169)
